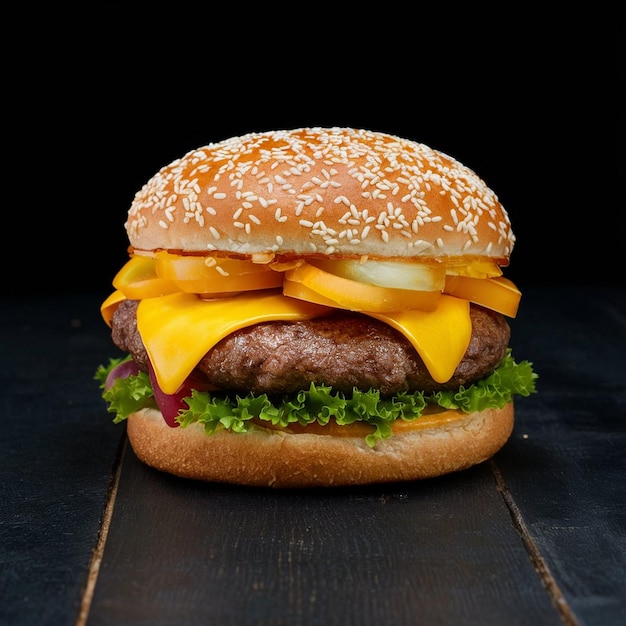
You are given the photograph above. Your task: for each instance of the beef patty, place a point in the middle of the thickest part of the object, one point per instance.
(343, 350)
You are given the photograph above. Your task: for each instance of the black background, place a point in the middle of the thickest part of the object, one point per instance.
(100, 99)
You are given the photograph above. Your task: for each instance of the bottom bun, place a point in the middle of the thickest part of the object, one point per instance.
(447, 442)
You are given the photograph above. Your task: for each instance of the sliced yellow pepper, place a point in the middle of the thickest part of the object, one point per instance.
(407, 275)
(214, 275)
(499, 294)
(356, 296)
(138, 280)
(476, 267)
(301, 292)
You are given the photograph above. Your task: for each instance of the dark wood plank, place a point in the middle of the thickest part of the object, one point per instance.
(565, 466)
(441, 551)
(57, 450)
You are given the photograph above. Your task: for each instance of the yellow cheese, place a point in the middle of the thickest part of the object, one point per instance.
(180, 328)
(440, 337)
(107, 308)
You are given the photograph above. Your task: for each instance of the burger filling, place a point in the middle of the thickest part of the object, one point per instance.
(343, 350)
(340, 369)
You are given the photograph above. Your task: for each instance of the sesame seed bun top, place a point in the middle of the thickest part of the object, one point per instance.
(320, 191)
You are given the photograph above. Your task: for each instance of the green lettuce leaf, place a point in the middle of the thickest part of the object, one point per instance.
(320, 403)
(126, 395)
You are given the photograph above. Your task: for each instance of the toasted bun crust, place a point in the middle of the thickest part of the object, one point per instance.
(331, 191)
(273, 458)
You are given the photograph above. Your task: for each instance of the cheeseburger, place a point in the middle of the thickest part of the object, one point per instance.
(314, 307)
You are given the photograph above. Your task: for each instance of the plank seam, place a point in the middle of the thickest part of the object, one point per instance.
(96, 558)
(540, 565)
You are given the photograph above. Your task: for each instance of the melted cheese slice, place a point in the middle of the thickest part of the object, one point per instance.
(440, 337)
(107, 308)
(180, 328)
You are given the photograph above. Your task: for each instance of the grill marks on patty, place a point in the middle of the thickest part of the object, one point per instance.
(343, 350)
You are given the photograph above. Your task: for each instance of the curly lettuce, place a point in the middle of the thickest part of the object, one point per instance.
(319, 403)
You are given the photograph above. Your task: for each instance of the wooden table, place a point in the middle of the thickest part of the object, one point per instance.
(537, 535)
